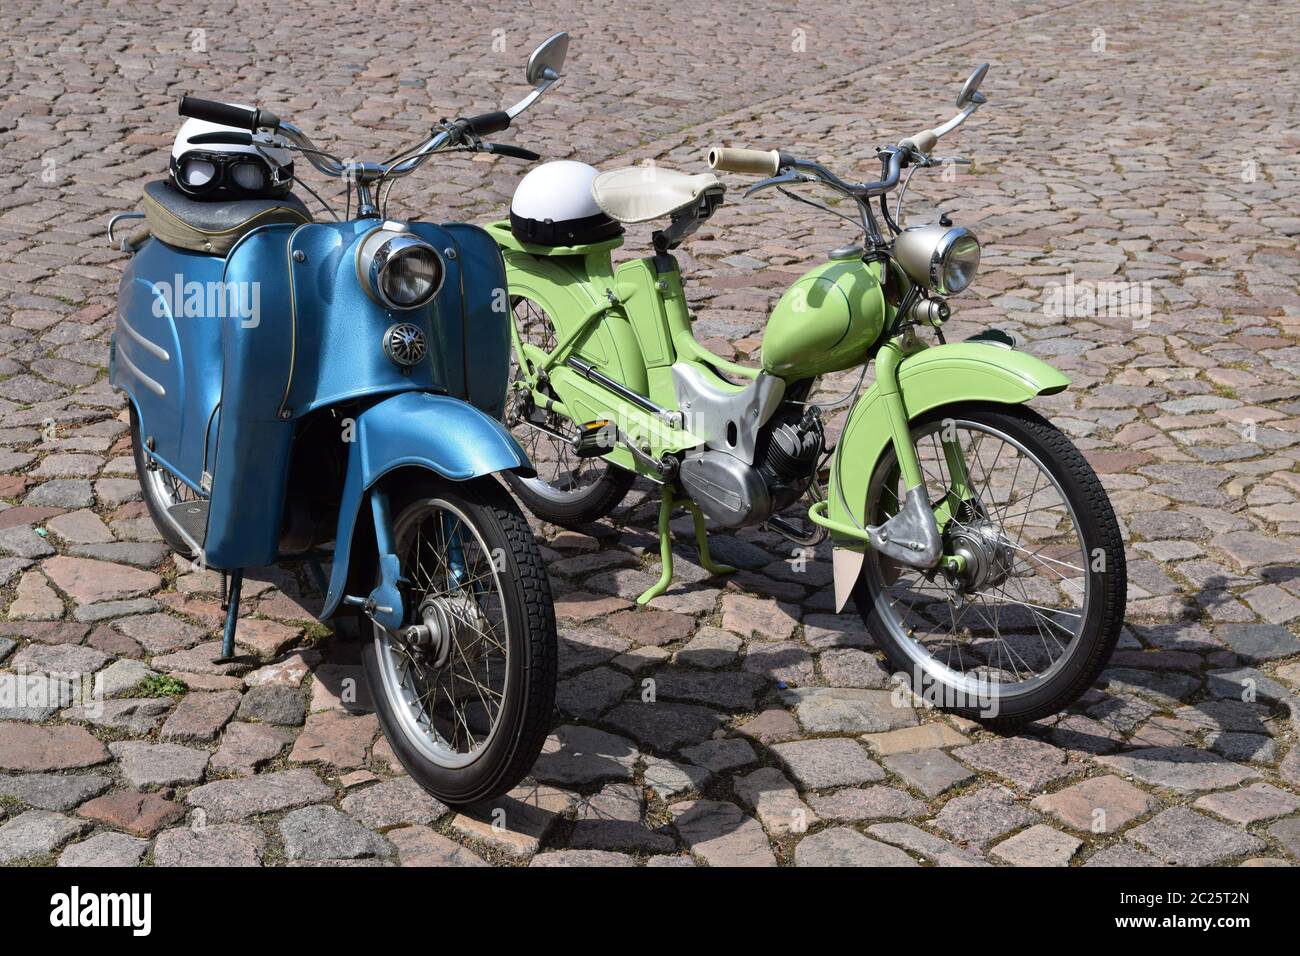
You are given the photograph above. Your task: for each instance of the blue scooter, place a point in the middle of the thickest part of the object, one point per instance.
(295, 383)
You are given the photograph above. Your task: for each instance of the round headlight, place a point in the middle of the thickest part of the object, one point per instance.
(944, 259)
(399, 270)
(959, 262)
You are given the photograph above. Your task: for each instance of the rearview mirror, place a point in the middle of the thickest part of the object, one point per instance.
(970, 90)
(547, 59)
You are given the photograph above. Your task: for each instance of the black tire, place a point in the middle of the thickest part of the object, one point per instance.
(572, 509)
(151, 494)
(1087, 653)
(607, 484)
(528, 696)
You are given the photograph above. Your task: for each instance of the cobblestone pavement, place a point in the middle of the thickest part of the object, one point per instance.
(1147, 143)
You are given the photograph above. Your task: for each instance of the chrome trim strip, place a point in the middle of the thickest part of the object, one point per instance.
(293, 318)
(153, 349)
(145, 380)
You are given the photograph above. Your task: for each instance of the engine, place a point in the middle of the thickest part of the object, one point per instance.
(735, 494)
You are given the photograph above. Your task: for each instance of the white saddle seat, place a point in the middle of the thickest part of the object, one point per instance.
(642, 193)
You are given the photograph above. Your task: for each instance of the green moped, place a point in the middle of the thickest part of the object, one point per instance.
(973, 537)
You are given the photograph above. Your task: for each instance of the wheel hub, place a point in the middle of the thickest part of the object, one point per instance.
(448, 622)
(984, 557)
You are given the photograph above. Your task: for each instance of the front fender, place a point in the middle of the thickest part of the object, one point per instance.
(955, 374)
(416, 429)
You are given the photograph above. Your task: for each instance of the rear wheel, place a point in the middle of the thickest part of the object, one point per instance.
(161, 490)
(1029, 620)
(466, 696)
(568, 490)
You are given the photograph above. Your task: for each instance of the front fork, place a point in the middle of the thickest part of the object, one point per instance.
(913, 535)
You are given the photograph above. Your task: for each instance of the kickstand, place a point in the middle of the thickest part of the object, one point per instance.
(702, 544)
(231, 603)
(666, 502)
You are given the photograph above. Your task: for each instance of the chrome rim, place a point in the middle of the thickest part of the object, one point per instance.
(544, 435)
(165, 488)
(448, 692)
(1013, 616)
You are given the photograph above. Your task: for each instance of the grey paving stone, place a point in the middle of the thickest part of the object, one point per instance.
(226, 800)
(664, 727)
(1184, 837)
(982, 816)
(721, 834)
(1179, 768)
(841, 846)
(223, 845)
(1038, 845)
(159, 765)
(577, 755)
(1259, 642)
(53, 791)
(392, 803)
(828, 762)
(931, 772)
(323, 833)
(721, 756)
(105, 849)
(273, 704)
(36, 833)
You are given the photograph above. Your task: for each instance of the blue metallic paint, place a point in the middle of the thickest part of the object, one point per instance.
(223, 395)
(444, 435)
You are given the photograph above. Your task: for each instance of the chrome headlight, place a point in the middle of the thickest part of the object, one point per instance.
(944, 259)
(398, 270)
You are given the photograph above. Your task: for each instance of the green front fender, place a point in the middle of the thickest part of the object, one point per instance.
(954, 374)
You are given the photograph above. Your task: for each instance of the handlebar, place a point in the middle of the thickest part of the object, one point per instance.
(227, 114)
(771, 162)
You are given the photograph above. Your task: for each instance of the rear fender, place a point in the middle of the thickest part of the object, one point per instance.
(957, 374)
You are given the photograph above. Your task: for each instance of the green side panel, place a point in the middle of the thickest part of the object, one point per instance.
(944, 375)
(567, 289)
(826, 321)
(635, 283)
(586, 401)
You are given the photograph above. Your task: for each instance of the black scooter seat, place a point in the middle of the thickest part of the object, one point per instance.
(213, 226)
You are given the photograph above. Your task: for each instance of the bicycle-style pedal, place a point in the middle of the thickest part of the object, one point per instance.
(595, 438)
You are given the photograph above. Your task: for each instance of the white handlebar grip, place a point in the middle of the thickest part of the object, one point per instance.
(757, 161)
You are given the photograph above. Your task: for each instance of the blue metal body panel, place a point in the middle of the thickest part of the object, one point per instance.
(222, 392)
(445, 435)
(169, 364)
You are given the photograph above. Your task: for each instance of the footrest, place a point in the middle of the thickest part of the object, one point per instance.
(191, 517)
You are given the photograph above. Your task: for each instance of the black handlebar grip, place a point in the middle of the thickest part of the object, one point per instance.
(227, 114)
(485, 124)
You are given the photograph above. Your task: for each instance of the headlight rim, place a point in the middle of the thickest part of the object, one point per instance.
(383, 246)
(939, 260)
(924, 252)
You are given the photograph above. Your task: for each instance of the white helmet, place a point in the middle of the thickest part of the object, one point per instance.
(553, 206)
(225, 169)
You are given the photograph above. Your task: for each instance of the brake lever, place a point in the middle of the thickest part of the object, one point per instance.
(789, 177)
(514, 152)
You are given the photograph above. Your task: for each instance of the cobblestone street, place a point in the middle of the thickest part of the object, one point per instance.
(1153, 144)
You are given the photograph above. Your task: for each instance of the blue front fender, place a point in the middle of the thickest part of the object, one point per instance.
(416, 429)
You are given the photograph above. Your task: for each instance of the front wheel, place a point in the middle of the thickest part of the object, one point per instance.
(466, 699)
(1025, 617)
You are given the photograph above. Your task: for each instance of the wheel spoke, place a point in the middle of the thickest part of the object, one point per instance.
(449, 691)
(995, 614)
